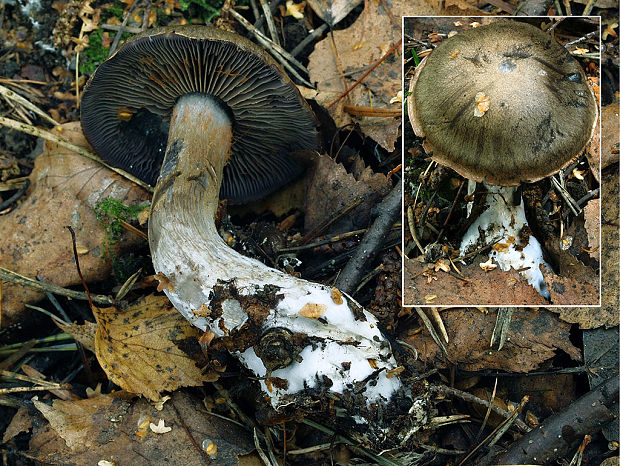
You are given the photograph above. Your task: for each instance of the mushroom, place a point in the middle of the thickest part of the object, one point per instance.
(220, 117)
(503, 104)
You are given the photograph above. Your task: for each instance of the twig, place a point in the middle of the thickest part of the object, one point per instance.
(488, 413)
(59, 386)
(588, 8)
(20, 191)
(255, 12)
(77, 265)
(278, 52)
(588, 36)
(119, 33)
(41, 133)
(9, 94)
(558, 21)
(567, 7)
(412, 229)
(269, 20)
(445, 390)
(572, 204)
(359, 81)
(258, 24)
(16, 279)
(371, 111)
(380, 460)
(317, 230)
(14, 183)
(331, 239)
(445, 223)
(308, 39)
(116, 27)
(332, 42)
(578, 458)
(588, 196)
(497, 433)
(504, 426)
(547, 442)
(388, 210)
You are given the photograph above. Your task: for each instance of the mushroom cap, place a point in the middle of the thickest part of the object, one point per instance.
(502, 103)
(127, 102)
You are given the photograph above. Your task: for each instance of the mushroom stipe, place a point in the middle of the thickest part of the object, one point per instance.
(231, 113)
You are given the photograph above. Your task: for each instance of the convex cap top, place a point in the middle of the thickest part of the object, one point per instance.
(128, 100)
(503, 103)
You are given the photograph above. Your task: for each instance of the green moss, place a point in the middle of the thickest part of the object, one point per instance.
(114, 10)
(210, 8)
(95, 54)
(110, 212)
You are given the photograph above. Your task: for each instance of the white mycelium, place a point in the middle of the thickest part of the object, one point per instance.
(503, 222)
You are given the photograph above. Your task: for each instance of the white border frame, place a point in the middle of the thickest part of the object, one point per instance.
(406, 121)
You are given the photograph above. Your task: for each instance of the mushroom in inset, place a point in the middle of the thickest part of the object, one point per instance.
(503, 104)
(220, 117)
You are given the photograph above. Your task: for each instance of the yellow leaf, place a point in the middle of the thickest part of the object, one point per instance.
(139, 347)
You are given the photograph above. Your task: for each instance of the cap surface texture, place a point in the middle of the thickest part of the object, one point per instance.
(128, 100)
(502, 103)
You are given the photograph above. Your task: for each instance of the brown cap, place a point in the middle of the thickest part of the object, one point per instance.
(128, 100)
(503, 103)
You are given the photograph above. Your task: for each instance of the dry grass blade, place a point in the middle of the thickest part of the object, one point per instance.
(502, 324)
(429, 326)
(11, 95)
(439, 321)
(285, 58)
(17, 279)
(34, 131)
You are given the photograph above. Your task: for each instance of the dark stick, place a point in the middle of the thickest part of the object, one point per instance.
(388, 211)
(561, 433)
(16, 196)
(445, 224)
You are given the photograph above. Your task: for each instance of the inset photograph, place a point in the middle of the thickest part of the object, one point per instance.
(501, 161)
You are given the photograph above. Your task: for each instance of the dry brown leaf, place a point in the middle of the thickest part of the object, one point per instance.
(112, 429)
(79, 422)
(534, 336)
(331, 188)
(84, 334)
(610, 150)
(20, 423)
(333, 11)
(33, 237)
(359, 47)
(140, 348)
(592, 218)
(493, 287)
